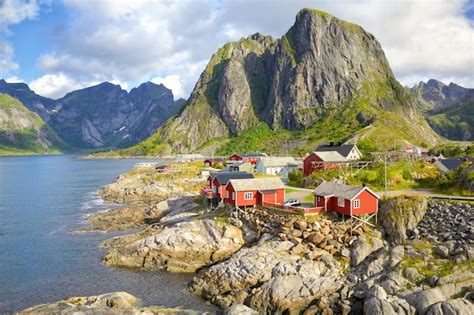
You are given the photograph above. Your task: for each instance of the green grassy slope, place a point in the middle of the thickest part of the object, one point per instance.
(23, 132)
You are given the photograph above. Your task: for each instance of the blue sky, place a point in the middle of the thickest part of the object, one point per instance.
(60, 46)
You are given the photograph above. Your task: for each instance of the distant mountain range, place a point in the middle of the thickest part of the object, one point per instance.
(325, 80)
(101, 116)
(449, 109)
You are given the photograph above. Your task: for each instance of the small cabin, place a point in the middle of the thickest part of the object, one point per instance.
(241, 166)
(330, 156)
(217, 182)
(254, 192)
(346, 199)
(251, 158)
(214, 162)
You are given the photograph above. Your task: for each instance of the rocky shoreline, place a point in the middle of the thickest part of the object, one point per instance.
(418, 260)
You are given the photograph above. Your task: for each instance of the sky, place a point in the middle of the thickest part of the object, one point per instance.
(60, 46)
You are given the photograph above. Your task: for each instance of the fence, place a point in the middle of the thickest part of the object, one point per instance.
(292, 209)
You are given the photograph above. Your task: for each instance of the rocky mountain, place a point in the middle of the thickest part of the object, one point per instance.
(23, 131)
(101, 116)
(43, 106)
(449, 109)
(324, 79)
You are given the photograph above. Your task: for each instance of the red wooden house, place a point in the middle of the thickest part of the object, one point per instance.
(346, 199)
(330, 156)
(254, 192)
(217, 182)
(214, 162)
(251, 158)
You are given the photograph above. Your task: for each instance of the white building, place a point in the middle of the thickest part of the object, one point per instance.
(273, 165)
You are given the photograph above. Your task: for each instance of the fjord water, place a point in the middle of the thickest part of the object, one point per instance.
(42, 200)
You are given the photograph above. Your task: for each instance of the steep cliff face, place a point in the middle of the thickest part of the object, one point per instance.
(322, 69)
(23, 131)
(43, 106)
(449, 109)
(322, 62)
(105, 115)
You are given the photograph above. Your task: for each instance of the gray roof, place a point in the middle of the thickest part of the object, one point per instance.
(277, 161)
(330, 156)
(338, 190)
(343, 150)
(249, 155)
(453, 163)
(224, 177)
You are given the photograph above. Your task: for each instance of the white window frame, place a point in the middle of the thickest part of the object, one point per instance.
(227, 194)
(356, 203)
(233, 195)
(341, 202)
(248, 195)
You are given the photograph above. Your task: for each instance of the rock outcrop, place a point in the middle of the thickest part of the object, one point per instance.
(401, 214)
(269, 277)
(321, 67)
(110, 303)
(181, 247)
(145, 186)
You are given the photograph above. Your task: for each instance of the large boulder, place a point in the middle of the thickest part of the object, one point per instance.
(182, 247)
(364, 246)
(268, 278)
(399, 214)
(462, 306)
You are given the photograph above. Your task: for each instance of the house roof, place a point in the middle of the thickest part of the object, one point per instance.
(339, 190)
(250, 155)
(261, 184)
(343, 149)
(277, 161)
(224, 177)
(453, 163)
(330, 156)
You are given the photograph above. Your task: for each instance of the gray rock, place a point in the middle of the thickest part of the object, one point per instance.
(441, 251)
(240, 309)
(411, 274)
(461, 306)
(399, 214)
(363, 247)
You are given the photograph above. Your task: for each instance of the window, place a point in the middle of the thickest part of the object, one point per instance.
(227, 194)
(356, 204)
(233, 195)
(248, 196)
(340, 202)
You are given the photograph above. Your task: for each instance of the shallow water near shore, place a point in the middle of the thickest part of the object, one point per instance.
(42, 200)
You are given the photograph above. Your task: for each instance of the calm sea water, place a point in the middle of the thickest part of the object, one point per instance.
(42, 200)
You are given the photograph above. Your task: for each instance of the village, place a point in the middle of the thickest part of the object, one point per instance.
(244, 180)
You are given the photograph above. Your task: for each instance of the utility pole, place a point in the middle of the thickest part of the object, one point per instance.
(385, 173)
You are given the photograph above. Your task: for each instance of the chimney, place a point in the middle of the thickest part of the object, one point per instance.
(339, 143)
(331, 143)
(363, 184)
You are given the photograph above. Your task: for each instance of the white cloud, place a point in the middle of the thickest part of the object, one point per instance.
(12, 12)
(172, 82)
(135, 41)
(15, 11)
(14, 79)
(57, 85)
(7, 63)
